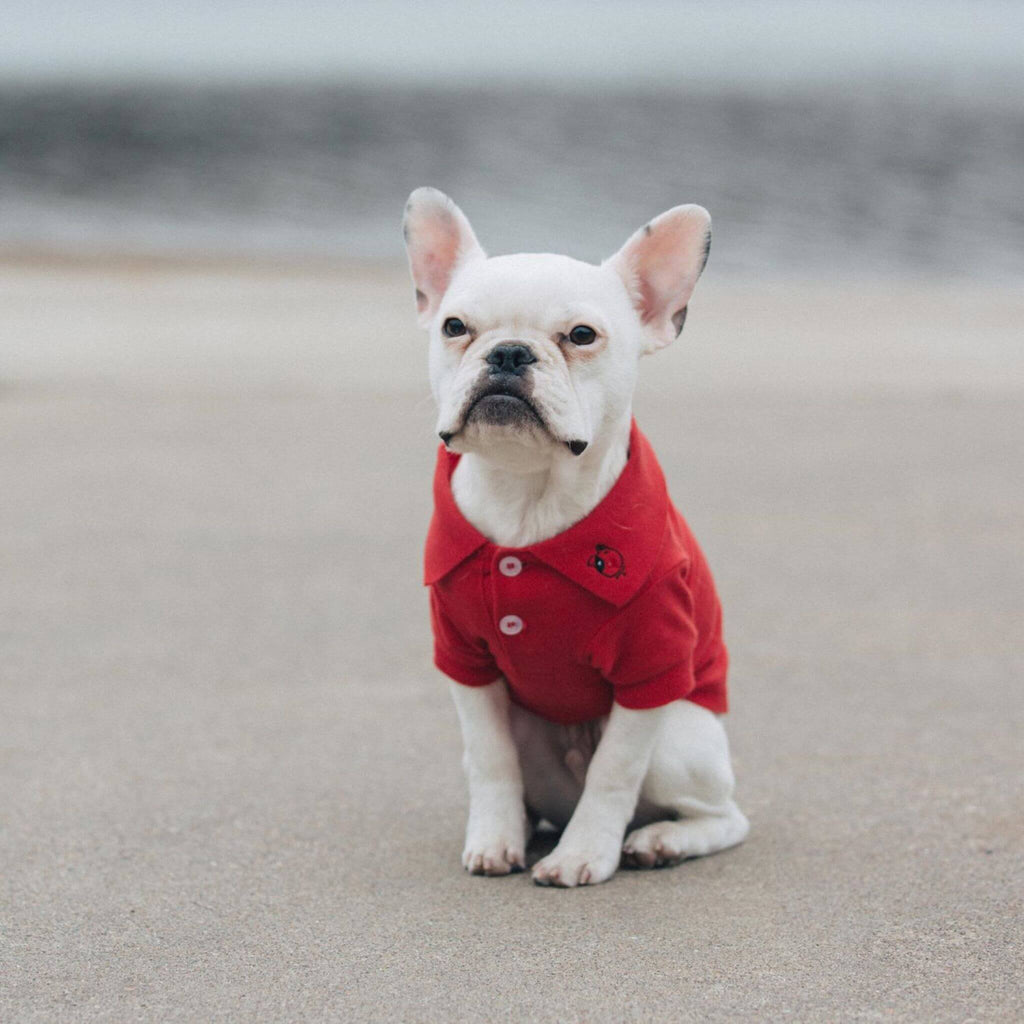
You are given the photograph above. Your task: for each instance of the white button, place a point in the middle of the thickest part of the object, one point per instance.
(510, 566)
(510, 625)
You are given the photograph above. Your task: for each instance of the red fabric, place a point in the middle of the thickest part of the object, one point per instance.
(621, 606)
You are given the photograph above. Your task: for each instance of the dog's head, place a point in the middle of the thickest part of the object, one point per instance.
(534, 356)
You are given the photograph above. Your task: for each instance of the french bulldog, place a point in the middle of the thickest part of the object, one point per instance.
(573, 612)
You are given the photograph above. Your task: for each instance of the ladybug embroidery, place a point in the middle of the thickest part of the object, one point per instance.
(608, 562)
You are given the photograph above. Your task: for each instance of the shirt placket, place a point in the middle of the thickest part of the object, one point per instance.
(508, 598)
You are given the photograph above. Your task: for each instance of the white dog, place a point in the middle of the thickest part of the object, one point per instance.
(571, 607)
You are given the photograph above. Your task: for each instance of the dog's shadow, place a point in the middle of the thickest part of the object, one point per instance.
(544, 839)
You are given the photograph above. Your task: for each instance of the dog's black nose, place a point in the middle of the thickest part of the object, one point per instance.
(510, 359)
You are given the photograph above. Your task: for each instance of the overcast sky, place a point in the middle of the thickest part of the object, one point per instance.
(446, 41)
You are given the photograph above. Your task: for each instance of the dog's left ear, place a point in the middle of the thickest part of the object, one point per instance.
(660, 265)
(438, 239)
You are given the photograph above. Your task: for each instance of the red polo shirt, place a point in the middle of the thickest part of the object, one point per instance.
(621, 606)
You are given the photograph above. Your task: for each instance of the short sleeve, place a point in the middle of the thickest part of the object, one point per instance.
(454, 654)
(646, 651)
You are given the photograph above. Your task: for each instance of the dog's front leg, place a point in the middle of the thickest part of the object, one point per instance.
(496, 830)
(591, 845)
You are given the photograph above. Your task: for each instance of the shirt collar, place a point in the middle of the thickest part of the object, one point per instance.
(610, 552)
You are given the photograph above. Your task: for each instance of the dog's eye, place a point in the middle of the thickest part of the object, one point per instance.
(453, 327)
(581, 334)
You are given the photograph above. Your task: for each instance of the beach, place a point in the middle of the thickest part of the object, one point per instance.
(231, 784)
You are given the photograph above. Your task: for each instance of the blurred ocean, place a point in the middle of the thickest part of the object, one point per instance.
(863, 179)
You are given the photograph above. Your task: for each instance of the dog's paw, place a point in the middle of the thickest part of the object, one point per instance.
(496, 835)
(660, 844)
(664, 843)
(498, 855)
(568, 868)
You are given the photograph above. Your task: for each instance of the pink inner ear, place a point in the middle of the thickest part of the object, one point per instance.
(434, 248)
(662, 277)
(650, 304)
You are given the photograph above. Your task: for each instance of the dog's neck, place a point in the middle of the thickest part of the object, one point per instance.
(516, 509)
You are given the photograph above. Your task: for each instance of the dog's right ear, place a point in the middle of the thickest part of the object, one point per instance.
(438, 239)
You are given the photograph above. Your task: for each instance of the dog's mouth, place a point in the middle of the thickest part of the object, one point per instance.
(505, 403)
(502, 404)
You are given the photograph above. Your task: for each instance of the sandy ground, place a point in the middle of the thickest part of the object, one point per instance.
(229, 778)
